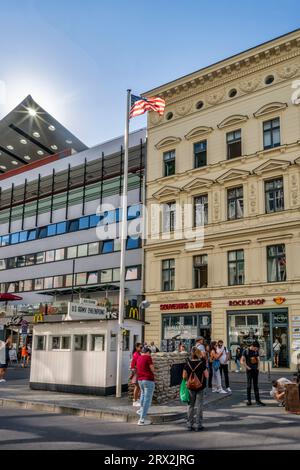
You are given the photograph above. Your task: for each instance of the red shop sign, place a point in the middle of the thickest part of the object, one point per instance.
(246, 302)
(186, 305)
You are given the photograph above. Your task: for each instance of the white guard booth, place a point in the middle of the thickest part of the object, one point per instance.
(80, 355)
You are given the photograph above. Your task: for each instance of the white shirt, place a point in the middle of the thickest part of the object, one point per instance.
(201, 347)
(223, 359)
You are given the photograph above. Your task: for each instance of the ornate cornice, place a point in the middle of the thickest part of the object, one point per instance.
(232, 120)
(167, 142)
(270, 108)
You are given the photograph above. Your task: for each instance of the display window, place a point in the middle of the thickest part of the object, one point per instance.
(184, 328)
(268, 327)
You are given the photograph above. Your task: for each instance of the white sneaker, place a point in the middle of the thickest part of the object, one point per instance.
(136, 403)
(2, 380)
(139, 411)
(229, 390)
(214, 390)
(237, 371)
(144, 422)
(222, 391)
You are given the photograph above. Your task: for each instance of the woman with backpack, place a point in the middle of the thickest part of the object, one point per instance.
(215, 363)
(195, 373)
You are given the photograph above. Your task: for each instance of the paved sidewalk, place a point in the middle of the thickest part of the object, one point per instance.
(15, 393)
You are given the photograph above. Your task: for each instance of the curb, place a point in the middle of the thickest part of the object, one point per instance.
(105, 415)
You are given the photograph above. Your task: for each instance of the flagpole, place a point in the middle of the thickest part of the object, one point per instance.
(123, 252)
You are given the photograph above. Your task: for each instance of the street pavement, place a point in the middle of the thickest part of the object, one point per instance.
(229, 424)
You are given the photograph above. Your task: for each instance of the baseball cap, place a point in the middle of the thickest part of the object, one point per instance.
(199, 338)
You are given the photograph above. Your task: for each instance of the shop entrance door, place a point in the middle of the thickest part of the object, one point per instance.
(280, 356)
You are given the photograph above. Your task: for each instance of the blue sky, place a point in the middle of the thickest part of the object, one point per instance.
(78, 57)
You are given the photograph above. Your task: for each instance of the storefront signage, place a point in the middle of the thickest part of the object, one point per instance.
(279, 300)
(186, 306)
(82, 312)
(246, 302)
(38, 318)
(88, 301)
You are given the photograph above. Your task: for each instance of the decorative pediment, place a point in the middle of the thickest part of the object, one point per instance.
(166, 192)
(167, 142)
(233, 120)
(197, 183)
(198, 132)
(271, 165)
(232, 175)
(270, 108)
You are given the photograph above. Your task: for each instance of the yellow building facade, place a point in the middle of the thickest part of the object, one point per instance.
(228, 151)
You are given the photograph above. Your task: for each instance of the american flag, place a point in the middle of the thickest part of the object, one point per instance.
(140, 105)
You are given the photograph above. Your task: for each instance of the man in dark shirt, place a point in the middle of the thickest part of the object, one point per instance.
(251, 361)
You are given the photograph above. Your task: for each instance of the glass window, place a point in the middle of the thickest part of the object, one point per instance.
(58, 281)
(73, 225)
(92, 278)
(21, 261)
(31, 235)
(51, 230)
(28, 285)
(201, 210)
(82, 250)
(234, 144)
(11, 287)
(236, 274)
(126, 340)
(39, 284)
(105, 276)
(169, 163)
(61, 228)
(84, 222)
(66, 343)
(40, 343)
(271, 131)
(40, 258)
(30, 260)
(80, 342)
(132, 273)
(116, 275)
(69, 280)
(14, 238)
(108, 217)
(50, 256)
(274, 195)
(59, 254)
(5, 240)
(117, 244)
(235, 203)
(42, 232)
(12, 263)
(80, 279)
(48, 283)
(133, 212)
(168, 275)
(55, 342)
(72, 252)
(94, 220)
(200, 154)
(93, 248)
(108, 246)
(133, 243)
(276, 261)
(200, 271)
(98, 342)
(2, 264)
(169, 217)
(23, 236)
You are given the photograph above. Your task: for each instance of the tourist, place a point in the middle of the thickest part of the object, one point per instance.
(154, 349)
(182, 348)
(3, 366)
(24, 355)
(251, 361)
(200, 345)
(196, 374)
(224, 358)
(133, 376)
(237, 360)
(209, 366)
(279, 390)
(215, 362)
(145, 375)
(276, 351)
